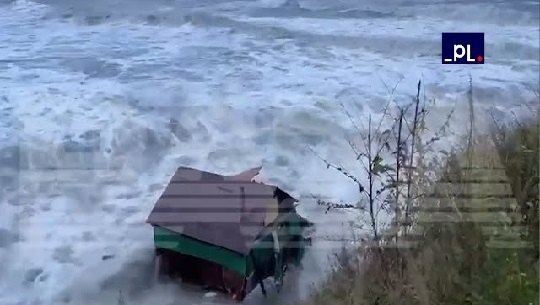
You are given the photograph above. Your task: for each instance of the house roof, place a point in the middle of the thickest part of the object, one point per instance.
(227, 211)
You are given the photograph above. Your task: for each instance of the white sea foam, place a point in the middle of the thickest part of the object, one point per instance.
(133, 90)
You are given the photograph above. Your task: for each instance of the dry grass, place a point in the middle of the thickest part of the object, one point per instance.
(453, 263)
(518, 145)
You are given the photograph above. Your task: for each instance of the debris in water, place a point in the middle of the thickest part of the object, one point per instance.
(106, 257)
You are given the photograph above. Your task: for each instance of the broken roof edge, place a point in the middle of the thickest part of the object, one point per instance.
(244, 176)
(249, 174)
(254, 172)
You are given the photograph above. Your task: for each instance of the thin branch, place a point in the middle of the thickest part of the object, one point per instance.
(411, 161)
(398, 164)
(340, 169)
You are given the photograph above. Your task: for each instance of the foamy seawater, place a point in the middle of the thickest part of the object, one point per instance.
(100, 101)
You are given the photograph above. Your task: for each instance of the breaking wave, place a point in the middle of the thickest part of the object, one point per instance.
(103, 99)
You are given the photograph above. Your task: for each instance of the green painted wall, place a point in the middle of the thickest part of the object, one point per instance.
(262, 252)
(186, 245)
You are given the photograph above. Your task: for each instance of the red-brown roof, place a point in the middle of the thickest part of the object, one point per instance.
(227, 211)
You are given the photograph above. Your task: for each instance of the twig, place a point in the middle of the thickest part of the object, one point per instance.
(399, 161)
(341, 170)
(411, 161)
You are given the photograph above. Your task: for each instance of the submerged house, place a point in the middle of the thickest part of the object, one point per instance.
(226, 232)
